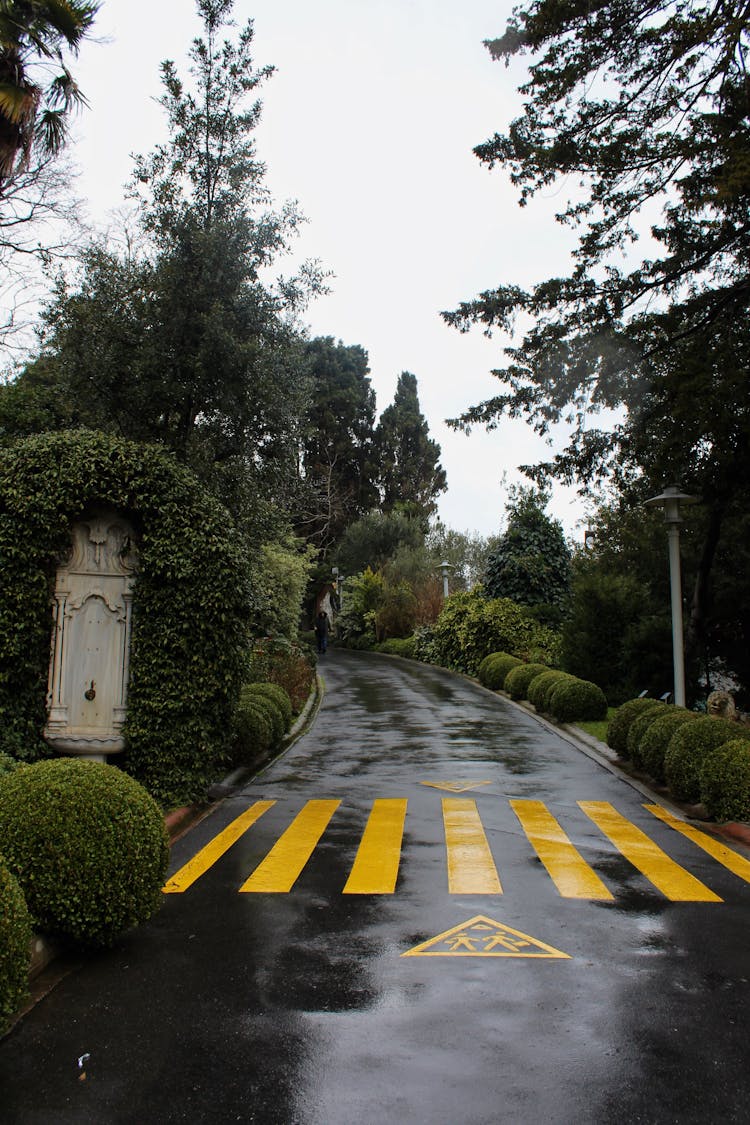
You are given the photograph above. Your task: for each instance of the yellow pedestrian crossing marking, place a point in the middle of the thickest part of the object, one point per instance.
(283, 865)
(470, 865)
(375, 869)
(673, 881)
(565, 865)
(471, 868)
(484, 937)
(732, 860)
(207, 856)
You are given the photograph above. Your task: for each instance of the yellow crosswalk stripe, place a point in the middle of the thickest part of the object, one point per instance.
(471, 868)
(673, 881)
(736, 863)
(376, 865)
(207, 856)
(283, 865)
(565, 865)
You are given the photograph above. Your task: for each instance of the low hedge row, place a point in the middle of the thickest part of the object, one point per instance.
(562, 696)
(262, 717)
(699, 757)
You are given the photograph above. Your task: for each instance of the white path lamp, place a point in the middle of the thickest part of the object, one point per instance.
(445, 566)
(672, 500)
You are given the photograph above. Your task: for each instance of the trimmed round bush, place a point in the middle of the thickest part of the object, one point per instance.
(88, 846)
(640, 725)
(518, 679)
(15, 946)
(619, 724)
(495, 667)
(542, 686)
(689, 748)
(725, 781)
(277, 694)
(574, 700)
(253, 731)
(274, 714)
(655, 741)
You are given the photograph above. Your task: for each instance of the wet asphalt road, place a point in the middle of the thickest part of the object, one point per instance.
(298, 1006)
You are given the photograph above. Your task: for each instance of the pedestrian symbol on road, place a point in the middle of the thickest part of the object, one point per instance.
(484, 937)
(456, 786)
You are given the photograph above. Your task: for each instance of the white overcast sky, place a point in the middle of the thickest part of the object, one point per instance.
(369, 123)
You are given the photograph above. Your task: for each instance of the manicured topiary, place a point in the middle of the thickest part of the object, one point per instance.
(270, 708)
(725, 781)
(276, 693)
(15, 946)
(619, 724)
(640, 725)
(192, 602)
(542, 686)
(654, 743)
(518, 679)
(88, 846)
(690, 747)
(495, 667)
(573, 700)
(253, 732)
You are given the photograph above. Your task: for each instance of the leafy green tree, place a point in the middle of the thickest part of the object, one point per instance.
(642, 104)
(411, 475)
(337, 461)
(531, 564)
(372, 540)
(187, 345)
(34, 102)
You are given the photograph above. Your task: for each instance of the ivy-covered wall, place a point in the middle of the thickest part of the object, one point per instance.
(192, 602)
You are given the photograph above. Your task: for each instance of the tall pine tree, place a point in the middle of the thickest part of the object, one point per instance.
(411, 476)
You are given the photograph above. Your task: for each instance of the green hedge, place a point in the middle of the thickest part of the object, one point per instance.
(542, 686)
(495, 667)
(573, 700)
(653, 745)
(277, 694)
(518, 679)
(88, 846)
(471, 626)
(253, 732)
(15, 946)
(725, 781)
(620, 723)
(192, 602)
(398, 646)
(689, 749)
(640, 725)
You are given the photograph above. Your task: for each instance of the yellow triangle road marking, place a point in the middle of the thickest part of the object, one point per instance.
(456, 786)
(484, 937)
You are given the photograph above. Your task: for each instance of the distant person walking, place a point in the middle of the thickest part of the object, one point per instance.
(321, 631)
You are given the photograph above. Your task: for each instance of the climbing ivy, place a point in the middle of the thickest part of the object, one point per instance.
(191, 602)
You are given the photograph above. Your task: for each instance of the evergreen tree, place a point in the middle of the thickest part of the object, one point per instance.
(188, 345)
(639, 103)
(531, 564)
(411, 475)
(337, 446)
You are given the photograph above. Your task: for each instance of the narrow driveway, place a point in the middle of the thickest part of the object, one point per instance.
(433, 909)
